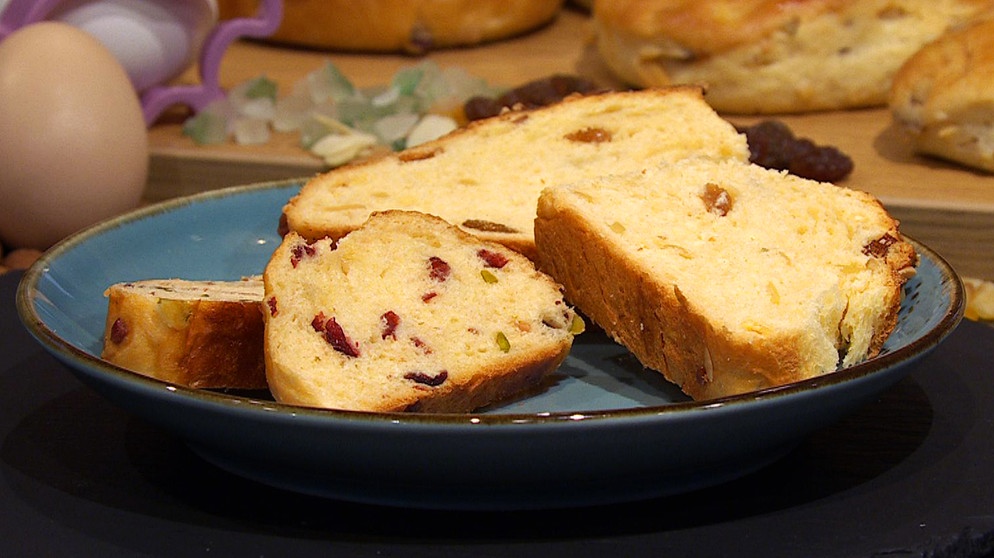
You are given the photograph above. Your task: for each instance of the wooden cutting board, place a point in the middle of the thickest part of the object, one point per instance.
(949, 208)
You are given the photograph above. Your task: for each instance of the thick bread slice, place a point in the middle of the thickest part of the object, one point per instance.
(727, 277)
(201, 334)
(409, 313)
(486, 177)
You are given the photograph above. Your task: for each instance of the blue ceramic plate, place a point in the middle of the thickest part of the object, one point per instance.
(603, 430)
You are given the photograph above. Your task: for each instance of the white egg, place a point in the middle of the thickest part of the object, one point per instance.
(155, 40)
(73, 147)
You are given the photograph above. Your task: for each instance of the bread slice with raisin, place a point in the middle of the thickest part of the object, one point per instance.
(486, 177)
(726, 277)
(200, 334)
(409, 313)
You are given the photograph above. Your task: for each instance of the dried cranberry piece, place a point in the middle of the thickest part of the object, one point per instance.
(426, 379)
(492, 259)
(272, 306)
(439, 269)
(428, 296)
(388, 324)
(299, 252)
(318, 322)
(419, 343)
(334, 335)
(118, 331)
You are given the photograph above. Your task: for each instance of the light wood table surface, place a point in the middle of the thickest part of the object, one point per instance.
(949, 208)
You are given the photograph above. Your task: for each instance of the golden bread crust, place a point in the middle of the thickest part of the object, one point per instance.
(772, 56)
(731, 303)
(412, 26)
(198, 341)
(486, 177)
(450, 319)
(942, 95)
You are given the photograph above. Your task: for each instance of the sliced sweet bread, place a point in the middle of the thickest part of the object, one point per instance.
(409, 313)
(200, 334)
(772, 56)
(486, 177)
(727, 277)
(943, 96)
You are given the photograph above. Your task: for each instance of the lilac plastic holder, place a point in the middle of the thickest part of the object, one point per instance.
(157, 99)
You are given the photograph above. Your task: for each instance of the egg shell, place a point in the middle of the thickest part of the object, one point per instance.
(154, 40)
(73, 147)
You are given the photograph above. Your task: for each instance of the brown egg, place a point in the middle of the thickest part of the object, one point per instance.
(74, 146)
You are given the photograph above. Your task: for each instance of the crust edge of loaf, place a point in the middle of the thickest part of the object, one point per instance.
(672, 338)
(219, 345)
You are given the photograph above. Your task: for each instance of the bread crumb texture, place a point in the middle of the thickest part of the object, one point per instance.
(409, 313)
(728, 277)
(487, 176)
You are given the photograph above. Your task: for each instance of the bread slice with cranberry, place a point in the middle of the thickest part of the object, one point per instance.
(409, 313)
(199, 334)
(486, 177)
(727, 277)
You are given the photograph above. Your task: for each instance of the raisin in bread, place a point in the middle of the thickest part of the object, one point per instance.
(486, 177)
(409, 313)
(727, 277)
(772, 56)
(200, 334)
(943, 96)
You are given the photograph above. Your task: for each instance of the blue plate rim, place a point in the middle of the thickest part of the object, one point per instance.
(27, 293)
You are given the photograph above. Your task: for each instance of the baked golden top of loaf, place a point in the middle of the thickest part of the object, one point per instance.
(702, 28)
(413, 26)
(944, 96)
(486, 177)
(200, 334)
(705, 28)
(409, 313)
(728, 277)
(772, 56)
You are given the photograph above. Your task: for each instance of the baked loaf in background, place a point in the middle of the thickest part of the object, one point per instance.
(409, 313)
(412, 26)
(486, 177)
(727, 277)
(944, 95)
(199, 334)
(772, 56)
